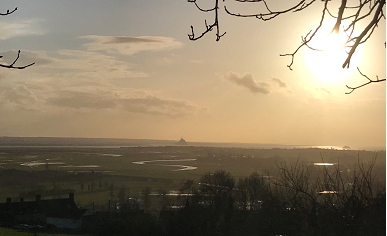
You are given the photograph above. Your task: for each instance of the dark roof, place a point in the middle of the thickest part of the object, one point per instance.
(58, 208)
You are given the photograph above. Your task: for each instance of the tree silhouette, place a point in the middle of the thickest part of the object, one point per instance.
(364, 15)
(218, 186)
(331, 200)
(147, 201)
(12, 65)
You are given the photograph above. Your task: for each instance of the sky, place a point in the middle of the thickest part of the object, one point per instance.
(126, 69)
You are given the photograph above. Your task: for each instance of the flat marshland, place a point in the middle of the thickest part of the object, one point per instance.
(97, 175)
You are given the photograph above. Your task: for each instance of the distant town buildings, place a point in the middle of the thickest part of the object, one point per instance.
(61, 213)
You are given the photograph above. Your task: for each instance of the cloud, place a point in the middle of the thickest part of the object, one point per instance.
(246, 80)
(94, 64)
(78, 100)
(75, 68)
(77, 83)
(132, 102)
(196, 61)
(279, 82)
(70, 68)
(19, 93)
(324, 90)
(130, 45)
(21, 28)
(315, 95)
(156, 106)
(163, 61)
(18, 96)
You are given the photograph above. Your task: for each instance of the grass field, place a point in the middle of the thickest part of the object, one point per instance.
(98, 174)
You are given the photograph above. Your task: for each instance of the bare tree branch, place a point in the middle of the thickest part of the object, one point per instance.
(12, 65)
(369, 82)
(371, 25)
(208, 27)
(336, 28)
(307, 38)
(348, 18)
(272, 14)
(8, 12)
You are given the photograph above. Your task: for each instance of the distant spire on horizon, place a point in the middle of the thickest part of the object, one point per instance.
(182, 142)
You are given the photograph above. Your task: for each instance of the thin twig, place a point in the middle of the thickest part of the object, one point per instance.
(12, 65)
(8, 12)
(369, 82)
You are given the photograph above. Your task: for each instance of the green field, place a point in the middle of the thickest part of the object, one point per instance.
(97, 175)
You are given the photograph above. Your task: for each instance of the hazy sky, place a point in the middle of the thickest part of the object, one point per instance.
(126, 69)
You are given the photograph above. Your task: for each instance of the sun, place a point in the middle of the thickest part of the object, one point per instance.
(326, 61)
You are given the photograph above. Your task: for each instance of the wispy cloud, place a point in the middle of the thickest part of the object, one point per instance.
(247, 80)
(163, 61)
(94, 65)
(18, 96)
(324, 90)
(71, 68)
(128, 102)
(130, 45)
(21, 28)
(77, 82)
(309, 94)
(80, 100)
(156, 106)
(279, 82)
(196, 61)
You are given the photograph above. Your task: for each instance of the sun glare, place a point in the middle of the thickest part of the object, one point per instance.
(326, 61)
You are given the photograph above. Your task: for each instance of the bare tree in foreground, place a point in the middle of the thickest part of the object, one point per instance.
(351, 15)
(12, 65)
(296, 199)
(332, 194)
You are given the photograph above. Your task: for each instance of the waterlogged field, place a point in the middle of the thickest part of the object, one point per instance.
(97, 175)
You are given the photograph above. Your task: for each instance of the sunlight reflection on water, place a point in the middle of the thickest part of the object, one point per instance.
(324, 164)
(83, 166)
(328, 192)
(35, 163)
(182, 167)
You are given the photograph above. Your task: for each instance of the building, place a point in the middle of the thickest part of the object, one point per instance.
(182, 142)
(63, 212)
